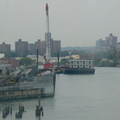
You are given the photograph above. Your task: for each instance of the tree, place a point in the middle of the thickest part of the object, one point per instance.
(64, 53)
(64, 61)
(106, 62)
(11, 54)
(25, 61)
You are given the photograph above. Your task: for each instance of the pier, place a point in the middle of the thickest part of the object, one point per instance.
(43, 86)
(11, 93)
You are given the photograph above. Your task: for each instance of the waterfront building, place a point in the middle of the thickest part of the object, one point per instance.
(87, 57)
(81, 63)
(83, 57)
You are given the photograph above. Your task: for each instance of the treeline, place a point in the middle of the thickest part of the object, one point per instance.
(107, 58)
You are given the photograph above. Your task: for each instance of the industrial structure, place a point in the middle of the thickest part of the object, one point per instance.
(48, 35)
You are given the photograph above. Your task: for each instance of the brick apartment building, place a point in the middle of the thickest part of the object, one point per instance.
(5, 48)
(21, 48)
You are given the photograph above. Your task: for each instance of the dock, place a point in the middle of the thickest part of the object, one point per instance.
(42, 84)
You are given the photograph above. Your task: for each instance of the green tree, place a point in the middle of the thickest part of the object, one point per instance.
(64, 61)
(11, 54)
(64, 53)
(115, 62)
(106, 62)
(97, 61)
(25, 61)
(101, 54)
(7, 55)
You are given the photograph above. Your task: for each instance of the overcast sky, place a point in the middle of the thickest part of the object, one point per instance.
(74, 22)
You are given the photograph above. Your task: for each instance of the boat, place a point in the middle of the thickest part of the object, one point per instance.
(80, 67)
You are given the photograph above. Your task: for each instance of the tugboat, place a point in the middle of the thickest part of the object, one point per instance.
(80, 67)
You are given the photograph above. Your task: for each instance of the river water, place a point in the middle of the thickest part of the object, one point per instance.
(77, 97)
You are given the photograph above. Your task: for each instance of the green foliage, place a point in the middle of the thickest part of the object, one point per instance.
(64, 53)
(97, 61)
(64, 61)
(54, 54)
(25, 61)
(110, 56)
(101, 54)
(115, 62)
(7, 55)
(106, 63)
(11, 54)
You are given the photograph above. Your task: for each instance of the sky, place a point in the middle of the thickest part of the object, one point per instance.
(74, 22)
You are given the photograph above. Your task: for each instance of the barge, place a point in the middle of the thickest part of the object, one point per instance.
(80, 67)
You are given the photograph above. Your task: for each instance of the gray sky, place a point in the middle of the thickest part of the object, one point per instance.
(74, 22)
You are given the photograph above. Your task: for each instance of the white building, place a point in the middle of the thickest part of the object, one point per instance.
(81, 63)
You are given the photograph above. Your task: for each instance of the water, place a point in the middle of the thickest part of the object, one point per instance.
(77, 97)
